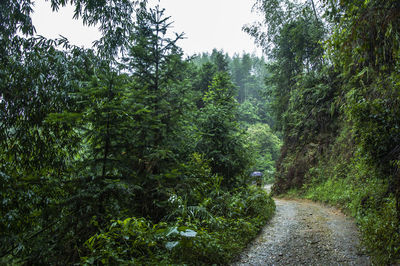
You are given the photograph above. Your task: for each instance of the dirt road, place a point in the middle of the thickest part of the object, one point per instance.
(306, 233)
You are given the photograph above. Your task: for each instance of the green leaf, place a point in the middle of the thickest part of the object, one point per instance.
(171, 245)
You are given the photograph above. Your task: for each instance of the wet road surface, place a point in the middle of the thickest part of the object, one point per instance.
(306, 233)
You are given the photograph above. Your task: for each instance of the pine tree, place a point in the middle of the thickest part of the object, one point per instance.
(221, 141)
(156, 67)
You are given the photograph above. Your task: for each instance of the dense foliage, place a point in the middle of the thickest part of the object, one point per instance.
(122, 154)
(248, 73)
(266, 146)
(335, 91)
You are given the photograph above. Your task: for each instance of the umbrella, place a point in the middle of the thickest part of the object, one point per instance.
(256, 174)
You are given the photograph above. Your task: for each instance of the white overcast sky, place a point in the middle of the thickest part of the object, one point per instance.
(207, 24)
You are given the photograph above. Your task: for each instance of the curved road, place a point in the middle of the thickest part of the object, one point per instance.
(306, 233)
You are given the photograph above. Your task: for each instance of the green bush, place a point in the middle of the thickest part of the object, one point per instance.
(205, 225)
(216, 240)
(380, 231)
(133, 240)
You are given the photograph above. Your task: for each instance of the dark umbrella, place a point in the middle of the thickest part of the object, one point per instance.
(256, 174)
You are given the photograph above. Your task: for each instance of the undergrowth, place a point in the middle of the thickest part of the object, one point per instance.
(205, 225)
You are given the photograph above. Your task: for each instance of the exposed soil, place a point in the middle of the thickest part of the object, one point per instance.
(306, 233)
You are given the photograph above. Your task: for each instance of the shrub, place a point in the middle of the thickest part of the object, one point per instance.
(380, 230)
(213, 239)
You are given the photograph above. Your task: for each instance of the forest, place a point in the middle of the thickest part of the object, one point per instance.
(127, 153)
(131, 153)
(334, 89)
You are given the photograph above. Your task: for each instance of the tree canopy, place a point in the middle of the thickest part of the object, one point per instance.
(124, 153)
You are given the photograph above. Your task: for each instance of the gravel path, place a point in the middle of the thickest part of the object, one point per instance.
(306, 233)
